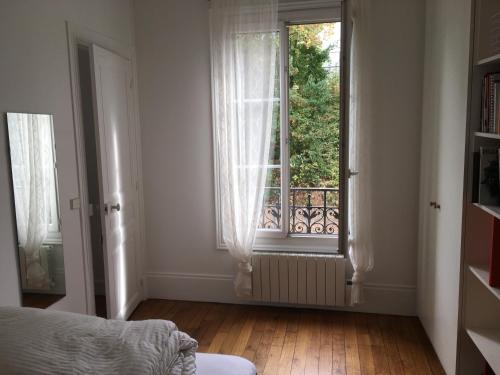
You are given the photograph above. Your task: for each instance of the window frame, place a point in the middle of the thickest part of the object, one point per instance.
(54, 235)
(282, 240)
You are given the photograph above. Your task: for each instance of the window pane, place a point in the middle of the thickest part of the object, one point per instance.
(271, 216)
(314, 117)
(271, 210)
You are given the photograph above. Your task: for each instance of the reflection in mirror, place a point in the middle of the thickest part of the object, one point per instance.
(34, 183)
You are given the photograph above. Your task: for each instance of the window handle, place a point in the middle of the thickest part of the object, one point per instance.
(351, 173)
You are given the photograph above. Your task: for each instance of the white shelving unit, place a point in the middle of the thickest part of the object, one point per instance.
(492, 210)
(480, 309)
(489, 60)
(482, 274)
(488, 343)
(487, 135)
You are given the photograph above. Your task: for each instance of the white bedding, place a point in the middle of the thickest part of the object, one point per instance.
(219, 364)
(34, 341)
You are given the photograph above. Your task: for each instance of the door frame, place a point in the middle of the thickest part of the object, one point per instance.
(79, 35)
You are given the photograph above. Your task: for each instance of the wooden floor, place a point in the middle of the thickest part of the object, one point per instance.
(296, 341)
(40, 300)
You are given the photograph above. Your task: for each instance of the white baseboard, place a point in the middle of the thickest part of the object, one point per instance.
(380, 298)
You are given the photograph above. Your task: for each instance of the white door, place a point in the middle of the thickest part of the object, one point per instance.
(113, 108)
(443, 152)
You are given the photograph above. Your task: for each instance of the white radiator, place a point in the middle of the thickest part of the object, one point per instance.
(299, 279)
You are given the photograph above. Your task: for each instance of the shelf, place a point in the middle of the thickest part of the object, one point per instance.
(492, 210)
(487, 135)
(489, 60)
(488, 343)
(482, 274)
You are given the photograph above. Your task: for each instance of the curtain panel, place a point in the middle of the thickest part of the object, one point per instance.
(360, 140)
(32, 170)
(244, 44)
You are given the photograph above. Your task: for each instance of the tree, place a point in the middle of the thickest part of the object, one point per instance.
(314, 110)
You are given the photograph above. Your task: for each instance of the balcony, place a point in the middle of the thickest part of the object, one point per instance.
(312, 211)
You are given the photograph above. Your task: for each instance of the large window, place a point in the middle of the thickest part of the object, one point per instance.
(302, 200)
(302, 190)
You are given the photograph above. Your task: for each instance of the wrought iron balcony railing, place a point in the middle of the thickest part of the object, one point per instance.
(312, 211)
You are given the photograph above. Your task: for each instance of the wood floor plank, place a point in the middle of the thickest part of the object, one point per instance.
(234, 331)
(380, 359)
(244, 335)
(352, 358)
(424, 342)
(262, 353)
(364, 345)
(277, 343)
(210, 326)
(336, 320)
(284, 341)
(389, 341)
(286, 358)
(326, 345)
(313, 350)
(419, 358)
(304, 336)
(194, 323)
(222, 332)
(411, 364)
(183, 316)
(261, 318)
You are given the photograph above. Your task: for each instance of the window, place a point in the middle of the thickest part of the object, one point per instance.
(19, 123)
(301, 208)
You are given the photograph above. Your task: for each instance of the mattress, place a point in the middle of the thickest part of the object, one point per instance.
(220, 364)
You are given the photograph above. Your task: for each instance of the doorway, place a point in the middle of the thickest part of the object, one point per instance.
(94, 217)
(107, 149)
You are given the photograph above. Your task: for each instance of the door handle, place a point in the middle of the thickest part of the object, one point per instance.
(115, 207)
(435, 205)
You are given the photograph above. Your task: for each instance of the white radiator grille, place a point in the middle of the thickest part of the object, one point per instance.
(299, 279)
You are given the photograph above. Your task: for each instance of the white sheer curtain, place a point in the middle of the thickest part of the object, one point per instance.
(244, 44)
(360, 116)
(30, 138)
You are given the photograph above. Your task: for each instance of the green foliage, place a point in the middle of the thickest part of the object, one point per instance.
(314, 111)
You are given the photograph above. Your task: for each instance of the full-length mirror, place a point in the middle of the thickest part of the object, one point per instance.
(36, 204)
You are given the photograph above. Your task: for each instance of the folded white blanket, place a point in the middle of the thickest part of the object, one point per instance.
(34, 341)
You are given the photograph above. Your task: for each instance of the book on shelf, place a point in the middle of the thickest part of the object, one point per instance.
(489, 183)
(490, 113)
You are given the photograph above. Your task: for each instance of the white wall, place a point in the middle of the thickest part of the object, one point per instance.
(174, 91)
(34, 77)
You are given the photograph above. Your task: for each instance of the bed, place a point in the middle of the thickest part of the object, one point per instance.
(35, 341)
(220, 364)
